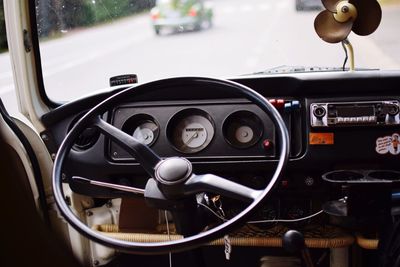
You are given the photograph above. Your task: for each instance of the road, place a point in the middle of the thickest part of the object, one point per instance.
(246, 37)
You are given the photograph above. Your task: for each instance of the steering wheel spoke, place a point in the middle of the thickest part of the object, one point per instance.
(142, 153)
(214, 184)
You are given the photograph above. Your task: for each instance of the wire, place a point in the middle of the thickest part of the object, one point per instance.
(266, 221)
(169, 237)
(346, 55)
(213, 212)
(288, 220)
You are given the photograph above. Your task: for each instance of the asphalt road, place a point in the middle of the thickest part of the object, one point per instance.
(246, 37)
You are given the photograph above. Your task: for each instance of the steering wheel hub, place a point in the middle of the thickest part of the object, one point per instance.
(173, 171)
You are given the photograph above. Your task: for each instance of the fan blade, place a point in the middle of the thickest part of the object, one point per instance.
(369, 16)
(329, 30)
(330, 4)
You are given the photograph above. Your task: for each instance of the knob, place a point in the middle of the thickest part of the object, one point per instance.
(293, 241)
(319, 112)
(393, 110)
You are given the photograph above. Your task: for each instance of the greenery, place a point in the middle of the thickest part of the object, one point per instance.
(55, 16)
(105, 10)
(3, 38)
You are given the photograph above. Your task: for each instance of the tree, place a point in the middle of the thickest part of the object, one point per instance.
(3, 37)
(55, 16)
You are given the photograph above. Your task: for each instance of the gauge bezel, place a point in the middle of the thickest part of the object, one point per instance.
(130, 125)
(251, 120)
(174, 130)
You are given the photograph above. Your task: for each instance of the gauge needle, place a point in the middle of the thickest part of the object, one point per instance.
(191, 139)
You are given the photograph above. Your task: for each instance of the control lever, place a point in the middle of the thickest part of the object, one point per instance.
(293, 242)
(110, 185)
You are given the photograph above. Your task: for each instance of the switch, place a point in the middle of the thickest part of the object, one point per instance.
(288, 107)
(295, 104)
(280, 103)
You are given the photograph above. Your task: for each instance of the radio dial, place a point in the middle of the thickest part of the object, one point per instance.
(393, 110)
(319, 112)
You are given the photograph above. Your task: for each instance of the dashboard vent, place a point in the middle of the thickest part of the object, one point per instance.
(86, 139)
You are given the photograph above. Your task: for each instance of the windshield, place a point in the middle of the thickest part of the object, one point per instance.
(83, 43)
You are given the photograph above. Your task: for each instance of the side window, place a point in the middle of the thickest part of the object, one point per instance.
(7, 93)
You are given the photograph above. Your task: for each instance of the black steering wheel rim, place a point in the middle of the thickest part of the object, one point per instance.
(187, 242)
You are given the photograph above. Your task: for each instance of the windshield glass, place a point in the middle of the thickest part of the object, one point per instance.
(85, 42)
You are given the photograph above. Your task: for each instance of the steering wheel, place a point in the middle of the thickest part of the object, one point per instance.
(172, 178)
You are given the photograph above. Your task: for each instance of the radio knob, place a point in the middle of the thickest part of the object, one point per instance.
(319, 112)
(393, 110)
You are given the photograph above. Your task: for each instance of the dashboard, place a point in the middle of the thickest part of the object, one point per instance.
(336, 122)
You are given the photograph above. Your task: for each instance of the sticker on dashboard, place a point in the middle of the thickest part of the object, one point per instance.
(388, 144)
(321, 139)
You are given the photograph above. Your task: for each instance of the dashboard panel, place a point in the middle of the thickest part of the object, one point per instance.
(356, 145)
(207, 129)
(162, 119)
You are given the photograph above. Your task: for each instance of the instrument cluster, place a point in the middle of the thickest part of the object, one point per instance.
(201, 130)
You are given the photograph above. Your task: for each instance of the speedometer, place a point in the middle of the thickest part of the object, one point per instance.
(190, 131)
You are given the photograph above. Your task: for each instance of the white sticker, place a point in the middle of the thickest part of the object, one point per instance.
(388, 144)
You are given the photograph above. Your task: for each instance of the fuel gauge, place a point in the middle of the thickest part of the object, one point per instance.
(242, 129)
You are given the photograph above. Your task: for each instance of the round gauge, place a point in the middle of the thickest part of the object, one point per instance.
(190, 131)
(146, 132)
(143, 127)
(242, 129)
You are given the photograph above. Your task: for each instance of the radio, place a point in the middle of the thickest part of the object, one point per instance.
(371, 113)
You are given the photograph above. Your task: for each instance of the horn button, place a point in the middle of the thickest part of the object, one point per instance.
(173, 171)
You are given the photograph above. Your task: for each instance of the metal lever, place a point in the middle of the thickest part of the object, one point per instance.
(293, 242)
(109, 185)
